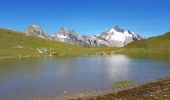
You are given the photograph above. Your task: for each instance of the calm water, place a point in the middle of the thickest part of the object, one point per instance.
(53, 76)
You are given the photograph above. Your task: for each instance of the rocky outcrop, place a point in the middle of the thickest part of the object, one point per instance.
(96, 41)
(35, 30)
(63, 35)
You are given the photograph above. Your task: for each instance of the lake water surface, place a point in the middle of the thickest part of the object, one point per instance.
(53, 76)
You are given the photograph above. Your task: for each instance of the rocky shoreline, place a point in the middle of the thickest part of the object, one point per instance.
(155, 90)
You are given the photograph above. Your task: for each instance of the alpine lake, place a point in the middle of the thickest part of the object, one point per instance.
(61, 77)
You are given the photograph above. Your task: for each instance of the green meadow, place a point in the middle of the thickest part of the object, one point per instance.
(16, 44)
(158, 44)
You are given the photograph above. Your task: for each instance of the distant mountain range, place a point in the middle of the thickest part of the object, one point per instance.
(115, 37)
(35, 42)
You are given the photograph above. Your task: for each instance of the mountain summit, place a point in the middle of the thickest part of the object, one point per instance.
(63, 35)
(35, 30)
(119, 37)
(114, 37)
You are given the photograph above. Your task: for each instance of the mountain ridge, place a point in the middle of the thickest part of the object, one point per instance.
(115, 37)
(14, 44)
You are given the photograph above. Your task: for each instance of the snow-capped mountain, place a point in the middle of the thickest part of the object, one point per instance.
(119, 37)
(115, 37)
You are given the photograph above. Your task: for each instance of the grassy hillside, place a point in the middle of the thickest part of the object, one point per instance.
(16, 44)
(158, 44)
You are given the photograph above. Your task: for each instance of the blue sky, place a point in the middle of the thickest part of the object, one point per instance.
(146, 17)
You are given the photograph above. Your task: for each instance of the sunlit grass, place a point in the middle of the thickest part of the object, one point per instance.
(158, 44)
(123, 84)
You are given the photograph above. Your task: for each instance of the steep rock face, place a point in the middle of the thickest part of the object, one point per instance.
(96, 41)
(63, 35)
(35, 30)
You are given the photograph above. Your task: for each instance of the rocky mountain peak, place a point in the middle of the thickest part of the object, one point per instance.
(35, 26)
(65, 35)
(119, 37)
(62, 30)
(118, 29)
(115, 37)
(35, 30)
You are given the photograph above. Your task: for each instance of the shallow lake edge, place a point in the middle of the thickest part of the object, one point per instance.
(158, 89)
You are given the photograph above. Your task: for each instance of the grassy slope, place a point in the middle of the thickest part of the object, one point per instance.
(158, 44)
(10, 40)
